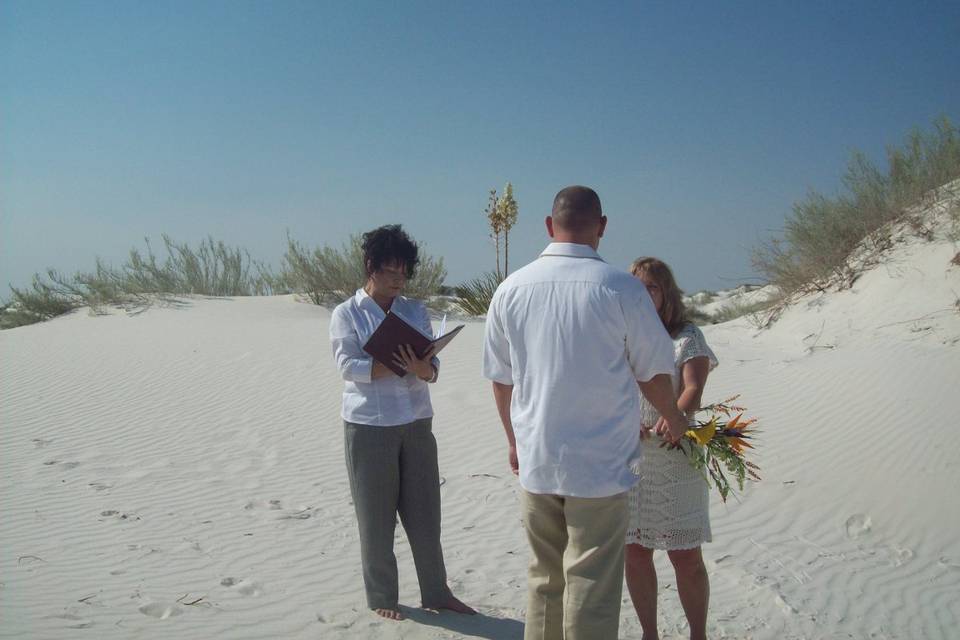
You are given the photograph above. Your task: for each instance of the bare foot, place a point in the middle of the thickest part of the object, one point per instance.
(456, 606)
(389, 614)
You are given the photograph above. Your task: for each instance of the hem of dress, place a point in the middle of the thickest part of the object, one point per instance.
(678, 547)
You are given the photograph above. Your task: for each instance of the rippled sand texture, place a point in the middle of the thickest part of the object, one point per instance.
(179, 473)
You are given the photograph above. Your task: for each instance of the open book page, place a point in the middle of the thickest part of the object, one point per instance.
(412, 324)
(444, 340)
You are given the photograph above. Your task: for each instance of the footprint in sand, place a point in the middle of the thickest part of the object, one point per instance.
(65, 465)
(120, 517)
(244, 586)
(299, 513)
(900, 557)
(76, 621)
(270, 505)
(188, 544)
(858, 525)
(784, 605)
(159, 610)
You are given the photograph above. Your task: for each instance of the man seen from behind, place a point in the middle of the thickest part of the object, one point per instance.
(568, 338)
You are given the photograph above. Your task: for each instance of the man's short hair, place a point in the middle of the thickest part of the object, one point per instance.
(576, 209)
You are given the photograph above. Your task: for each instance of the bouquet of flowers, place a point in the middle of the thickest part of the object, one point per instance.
(723, 443)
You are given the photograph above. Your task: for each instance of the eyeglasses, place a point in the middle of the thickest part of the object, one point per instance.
(392, 274)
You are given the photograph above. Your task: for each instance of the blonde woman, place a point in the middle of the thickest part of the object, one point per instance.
(669, 508)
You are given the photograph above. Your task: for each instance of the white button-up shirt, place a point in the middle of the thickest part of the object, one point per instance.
(384, 402)
(573, 335)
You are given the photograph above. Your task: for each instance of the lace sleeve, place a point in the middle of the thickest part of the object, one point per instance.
(695, 346)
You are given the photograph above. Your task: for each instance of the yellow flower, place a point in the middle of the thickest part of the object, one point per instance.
(704, 434)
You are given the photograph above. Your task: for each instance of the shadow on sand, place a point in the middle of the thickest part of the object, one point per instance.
(478, 626)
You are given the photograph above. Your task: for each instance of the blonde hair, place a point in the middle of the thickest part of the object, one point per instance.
(673, 313)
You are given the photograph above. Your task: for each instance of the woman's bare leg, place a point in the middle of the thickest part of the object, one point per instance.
(642, 584)
(693, 586)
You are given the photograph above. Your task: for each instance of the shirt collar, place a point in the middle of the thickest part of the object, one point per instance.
(570, 250)
(363, 298)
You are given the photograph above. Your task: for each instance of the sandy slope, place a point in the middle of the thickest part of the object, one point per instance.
(178, 473)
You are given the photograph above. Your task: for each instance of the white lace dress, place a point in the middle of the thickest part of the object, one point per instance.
(670, 506)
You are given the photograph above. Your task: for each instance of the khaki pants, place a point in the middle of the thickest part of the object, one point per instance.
(575, 579)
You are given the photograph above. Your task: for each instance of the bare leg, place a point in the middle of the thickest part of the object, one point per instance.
(641, 577)
(693, 586)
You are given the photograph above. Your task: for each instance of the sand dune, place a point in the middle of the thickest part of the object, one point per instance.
(179, 473)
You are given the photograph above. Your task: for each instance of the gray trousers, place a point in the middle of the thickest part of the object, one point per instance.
(394, 470)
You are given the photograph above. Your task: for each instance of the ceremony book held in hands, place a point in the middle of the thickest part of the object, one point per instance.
(395, 331)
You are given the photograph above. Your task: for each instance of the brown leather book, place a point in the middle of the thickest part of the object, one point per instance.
(395, 331)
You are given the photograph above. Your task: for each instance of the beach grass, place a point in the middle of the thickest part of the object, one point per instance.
(822, 232)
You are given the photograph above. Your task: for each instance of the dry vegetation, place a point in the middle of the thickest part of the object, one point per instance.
(819, 242)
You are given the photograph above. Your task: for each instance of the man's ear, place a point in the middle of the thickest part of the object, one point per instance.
(549, 222)
(603, 226)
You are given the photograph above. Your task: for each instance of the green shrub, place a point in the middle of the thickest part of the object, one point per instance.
(703, 297)
(474, 296)
(212, 269)
(736, 310)
(821, 232)
(953, 219)
(329, 276)
(697, 316)
(44, 299)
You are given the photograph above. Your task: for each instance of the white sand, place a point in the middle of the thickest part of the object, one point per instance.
(194, 455)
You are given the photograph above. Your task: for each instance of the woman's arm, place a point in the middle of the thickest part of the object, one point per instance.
(353, 363)
(427, 327)
(694, 375)
(380, 371)
(658, 391)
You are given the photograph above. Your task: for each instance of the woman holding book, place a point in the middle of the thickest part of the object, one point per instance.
(391, 453)
(669, 508)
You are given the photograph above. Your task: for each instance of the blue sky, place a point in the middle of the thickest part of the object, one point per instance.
(698, 123)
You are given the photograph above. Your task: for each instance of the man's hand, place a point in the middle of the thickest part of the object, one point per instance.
(661, 427)
(514, 461)
(673, 428)
(659, 391)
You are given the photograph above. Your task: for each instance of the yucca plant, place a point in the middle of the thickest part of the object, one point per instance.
(474, 296)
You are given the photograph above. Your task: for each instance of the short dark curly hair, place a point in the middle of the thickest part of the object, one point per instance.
(389, 244)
